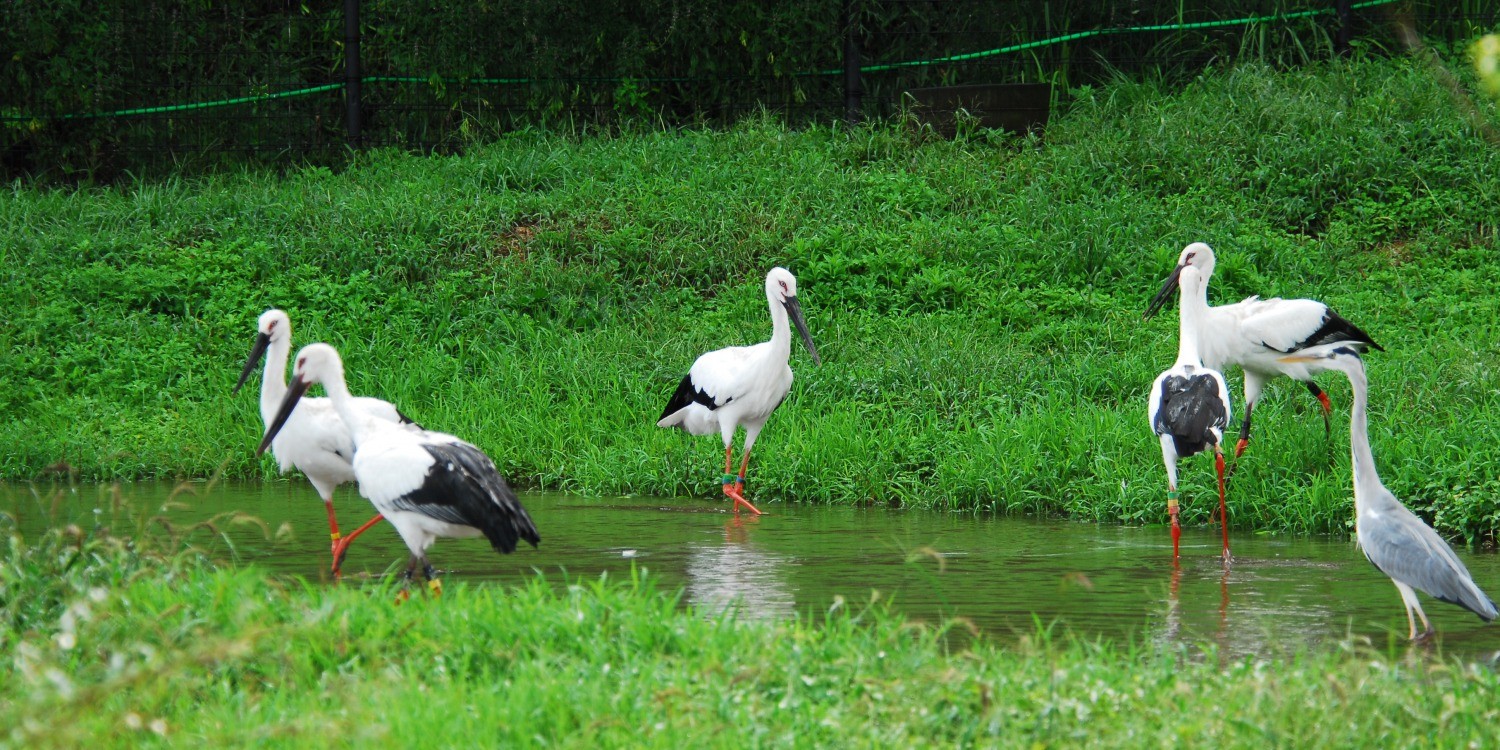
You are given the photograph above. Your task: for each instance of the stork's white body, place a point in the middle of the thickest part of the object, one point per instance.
(314, 439)
(1189, 405)
(740, 386)
(427, 484)
(391, 465)
(1256, 334)
(746, 383)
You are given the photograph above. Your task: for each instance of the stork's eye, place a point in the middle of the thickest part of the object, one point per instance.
(783, 285)
(1190, 257)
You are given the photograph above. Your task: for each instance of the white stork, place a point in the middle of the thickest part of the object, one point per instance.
(1189, 409)
(1256, 334)
(427, 484)
(742, 385)
(314, 439)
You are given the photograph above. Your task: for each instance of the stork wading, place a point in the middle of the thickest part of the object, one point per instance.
(741, 385)
(427, 484)
(313, 439)
(1189, 409)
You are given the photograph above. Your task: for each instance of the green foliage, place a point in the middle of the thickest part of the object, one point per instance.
(165, 656)
(977, 302)
(448, 75)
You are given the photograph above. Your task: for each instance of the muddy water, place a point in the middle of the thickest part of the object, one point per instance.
(1002, 573)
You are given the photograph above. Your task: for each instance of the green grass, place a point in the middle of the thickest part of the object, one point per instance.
(111, 641)
(977, 302)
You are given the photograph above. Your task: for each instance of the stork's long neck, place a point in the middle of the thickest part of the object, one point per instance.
(781, 331)
(1190, 317)
(356, 419)
(1366, 480)
(273, 378)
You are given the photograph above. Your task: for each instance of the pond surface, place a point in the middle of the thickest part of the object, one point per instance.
(1003, 573)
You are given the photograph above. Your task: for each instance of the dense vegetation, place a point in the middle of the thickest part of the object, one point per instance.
(112, 642)
(977, 302)
(437, 74)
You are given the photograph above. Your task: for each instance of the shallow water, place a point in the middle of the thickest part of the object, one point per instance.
(1002, 573)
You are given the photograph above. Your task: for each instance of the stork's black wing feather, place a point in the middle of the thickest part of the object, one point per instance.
(403, 419)
(1335, 329)
(1190, 406)
(464, 487)
(685, 394)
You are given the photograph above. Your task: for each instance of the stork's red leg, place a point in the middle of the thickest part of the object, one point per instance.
(1244, 442)
(1223, 507)
(731, 489)
(1176, 530)
(1327, 407)
(341, 546)
(333, 526)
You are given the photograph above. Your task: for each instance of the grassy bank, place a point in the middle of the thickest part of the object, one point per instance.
(109, 643)
(977, 302)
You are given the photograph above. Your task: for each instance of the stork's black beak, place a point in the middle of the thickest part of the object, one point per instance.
(794, 310)
(256, 353)
(294, 393)
(1165, 294)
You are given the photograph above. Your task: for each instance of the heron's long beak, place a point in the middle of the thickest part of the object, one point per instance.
(256, 353)
(1165, 294)
(1298, 358)
(294, 393)
(794, 310)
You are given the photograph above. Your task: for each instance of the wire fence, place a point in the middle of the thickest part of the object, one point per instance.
(111, 87)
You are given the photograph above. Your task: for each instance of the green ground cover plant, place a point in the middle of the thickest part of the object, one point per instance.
(124, 641)
(977, 301)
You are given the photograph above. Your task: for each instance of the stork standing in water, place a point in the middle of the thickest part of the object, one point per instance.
(1256, 334)
(313, 439)
(427, 484)
(1395, 540)
(742, 385)
(1189, 407)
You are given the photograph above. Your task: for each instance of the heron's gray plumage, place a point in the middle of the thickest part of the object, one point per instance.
(1395, 540)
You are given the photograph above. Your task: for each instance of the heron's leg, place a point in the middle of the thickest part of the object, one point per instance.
(1409, 599)
(434, 584)
(341, 546)
(1327, 406)
(731, 489)
(1223, 507)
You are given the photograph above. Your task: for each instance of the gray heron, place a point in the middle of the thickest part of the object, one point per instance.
(1396, 541)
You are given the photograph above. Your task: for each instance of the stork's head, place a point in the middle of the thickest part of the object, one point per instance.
(1197, 255)
(781, 288)
(274, 325)
(316, 363)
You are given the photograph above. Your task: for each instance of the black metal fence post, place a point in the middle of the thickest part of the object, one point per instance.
(352, 73)
(1346, 22)
(853, 87)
